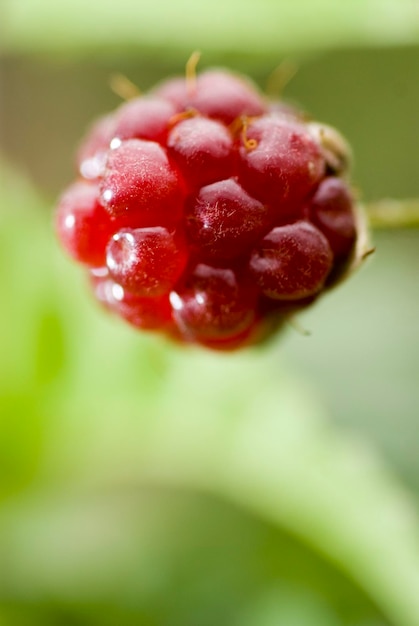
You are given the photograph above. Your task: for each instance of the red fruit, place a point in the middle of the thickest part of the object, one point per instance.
(292, 262)
(224, 222)
(146, 261)
(139, 180)
(83, 226)
(208, 212)
(202, 149)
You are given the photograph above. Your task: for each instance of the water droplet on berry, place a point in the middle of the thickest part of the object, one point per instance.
(146, 261)
(117, 292)
(115, 143)
(107, 195)
(69, 221)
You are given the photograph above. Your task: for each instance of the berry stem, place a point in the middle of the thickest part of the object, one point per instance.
(280, 77)
(190, 70)
(296, 325)
(387, 214)
(123, 87)
(249, 144)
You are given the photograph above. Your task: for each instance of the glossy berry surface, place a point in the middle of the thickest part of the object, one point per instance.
(224, 221)
(82, 224)
(331, 210)
(146, 261)
(280, 162)
(149, 313)
(292, 262)
(213, 305)
(207, 212)
(139, 181)
(144, 118)
(202, 149)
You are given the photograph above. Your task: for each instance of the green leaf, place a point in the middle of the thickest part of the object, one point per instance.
(253, 435)
(169, 557)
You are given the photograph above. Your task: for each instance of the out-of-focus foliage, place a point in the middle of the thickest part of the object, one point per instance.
(235, 25)
(98, 423)
(144, 484)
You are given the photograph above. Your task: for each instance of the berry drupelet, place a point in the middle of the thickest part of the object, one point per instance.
(209, 213)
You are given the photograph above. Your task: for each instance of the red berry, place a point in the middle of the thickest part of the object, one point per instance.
(139, 180)
(224, 222)
(83, 226)
(146, 261)
(292, 262)
(208, 213)
(203, 150)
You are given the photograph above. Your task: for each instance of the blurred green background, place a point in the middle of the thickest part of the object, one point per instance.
(142, 484)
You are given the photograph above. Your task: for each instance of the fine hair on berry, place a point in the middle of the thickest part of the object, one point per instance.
(207, 212)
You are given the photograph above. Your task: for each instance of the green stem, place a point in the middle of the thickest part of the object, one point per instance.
(392, 214)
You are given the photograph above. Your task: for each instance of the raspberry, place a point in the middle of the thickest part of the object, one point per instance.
(207, 213)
